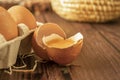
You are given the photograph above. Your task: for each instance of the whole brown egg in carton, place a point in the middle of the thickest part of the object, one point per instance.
(8, 39)
(50, 43)
(8, 27)
(22, 17)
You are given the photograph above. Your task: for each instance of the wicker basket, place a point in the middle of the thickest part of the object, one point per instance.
(87, 10)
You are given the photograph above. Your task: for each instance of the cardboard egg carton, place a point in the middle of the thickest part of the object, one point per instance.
(17, 46)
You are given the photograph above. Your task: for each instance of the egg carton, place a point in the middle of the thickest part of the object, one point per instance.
(9, 50)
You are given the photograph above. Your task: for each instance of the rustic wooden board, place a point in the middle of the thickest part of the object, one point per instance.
(98, 60)
(111, 32)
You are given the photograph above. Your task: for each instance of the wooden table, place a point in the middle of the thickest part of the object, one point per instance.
(98, 60)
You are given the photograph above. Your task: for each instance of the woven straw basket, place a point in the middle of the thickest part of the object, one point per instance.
(87, 10)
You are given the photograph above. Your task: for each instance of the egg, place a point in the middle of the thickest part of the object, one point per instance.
(63, 51)
(8, 27)
(41, 31)
(22, 15)
(50, 43)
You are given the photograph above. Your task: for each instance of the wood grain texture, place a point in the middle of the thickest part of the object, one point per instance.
(98, 60)
(111, 32)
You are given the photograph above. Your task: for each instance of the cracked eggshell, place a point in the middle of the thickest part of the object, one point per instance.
(63, 51)
(8, 27)
(22, 15)
(44, 30)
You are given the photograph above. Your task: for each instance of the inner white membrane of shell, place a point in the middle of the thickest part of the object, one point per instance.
(56, 41)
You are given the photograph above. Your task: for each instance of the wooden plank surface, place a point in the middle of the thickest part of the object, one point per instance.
(98, 60)
(111, 32)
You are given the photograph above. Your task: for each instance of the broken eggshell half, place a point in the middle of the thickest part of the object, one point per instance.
(50, 43)
(44, 30)
(63, 51)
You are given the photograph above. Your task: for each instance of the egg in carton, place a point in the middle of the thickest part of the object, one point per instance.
(17, 46)
(9, 49)
(14, 37)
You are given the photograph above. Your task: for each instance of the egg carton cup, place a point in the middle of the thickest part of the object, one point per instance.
(9, 50)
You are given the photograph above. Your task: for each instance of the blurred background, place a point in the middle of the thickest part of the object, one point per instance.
(81, 10)
(43, 4)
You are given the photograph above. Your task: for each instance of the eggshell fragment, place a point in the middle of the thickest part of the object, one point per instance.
(45, 30)
(8, 27)
(63, 51)
(22, 15)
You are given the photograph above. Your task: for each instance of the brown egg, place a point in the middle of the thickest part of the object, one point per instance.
(63, 51)
(8, 27)
(45, 30)
(22, 15)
